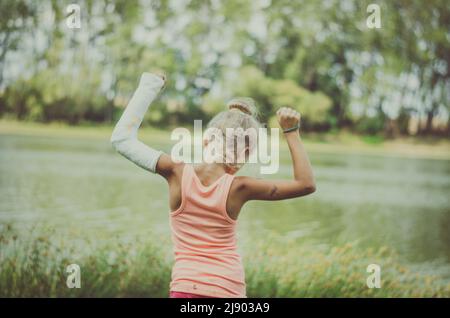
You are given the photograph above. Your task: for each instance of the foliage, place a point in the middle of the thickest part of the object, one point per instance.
(319, 57)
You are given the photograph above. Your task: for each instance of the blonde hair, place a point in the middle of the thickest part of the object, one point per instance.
(241, 114)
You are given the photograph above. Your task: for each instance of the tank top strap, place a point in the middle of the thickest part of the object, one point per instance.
(225, 190)
(187, 177)
(186, 183)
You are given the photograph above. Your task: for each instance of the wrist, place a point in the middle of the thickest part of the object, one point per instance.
(295, 128)
(294, 133)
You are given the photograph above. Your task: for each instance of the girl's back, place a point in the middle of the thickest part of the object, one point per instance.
(204, 239)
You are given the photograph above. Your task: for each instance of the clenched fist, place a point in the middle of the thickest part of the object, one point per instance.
(288, 118)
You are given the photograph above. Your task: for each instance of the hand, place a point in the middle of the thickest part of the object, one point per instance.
(288, 117)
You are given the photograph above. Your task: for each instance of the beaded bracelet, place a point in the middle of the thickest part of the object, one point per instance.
(296, 127)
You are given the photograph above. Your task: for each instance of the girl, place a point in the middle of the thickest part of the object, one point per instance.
(205, 199)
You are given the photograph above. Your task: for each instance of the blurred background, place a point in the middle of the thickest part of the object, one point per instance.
(375, 105)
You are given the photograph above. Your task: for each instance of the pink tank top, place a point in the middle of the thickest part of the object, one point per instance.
(204, 238)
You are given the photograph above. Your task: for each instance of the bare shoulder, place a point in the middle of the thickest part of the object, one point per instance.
(245, 181)
(177, 169)
(238, 195)
(242, 184)
(168, 168)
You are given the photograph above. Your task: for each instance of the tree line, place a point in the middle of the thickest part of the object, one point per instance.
(317, 56)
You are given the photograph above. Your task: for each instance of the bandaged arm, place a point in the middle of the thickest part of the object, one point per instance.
(124, 137)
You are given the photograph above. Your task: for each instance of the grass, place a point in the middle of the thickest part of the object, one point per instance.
(33, 265)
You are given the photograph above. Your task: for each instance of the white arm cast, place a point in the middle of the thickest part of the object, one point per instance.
(124, 137)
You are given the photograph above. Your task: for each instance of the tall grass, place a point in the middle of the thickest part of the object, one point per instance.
(276, 269)
(33, 265)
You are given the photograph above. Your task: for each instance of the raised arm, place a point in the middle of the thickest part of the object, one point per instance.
(124, 137)
(303, 182)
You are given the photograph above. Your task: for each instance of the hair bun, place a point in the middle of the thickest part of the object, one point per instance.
(244, 104)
